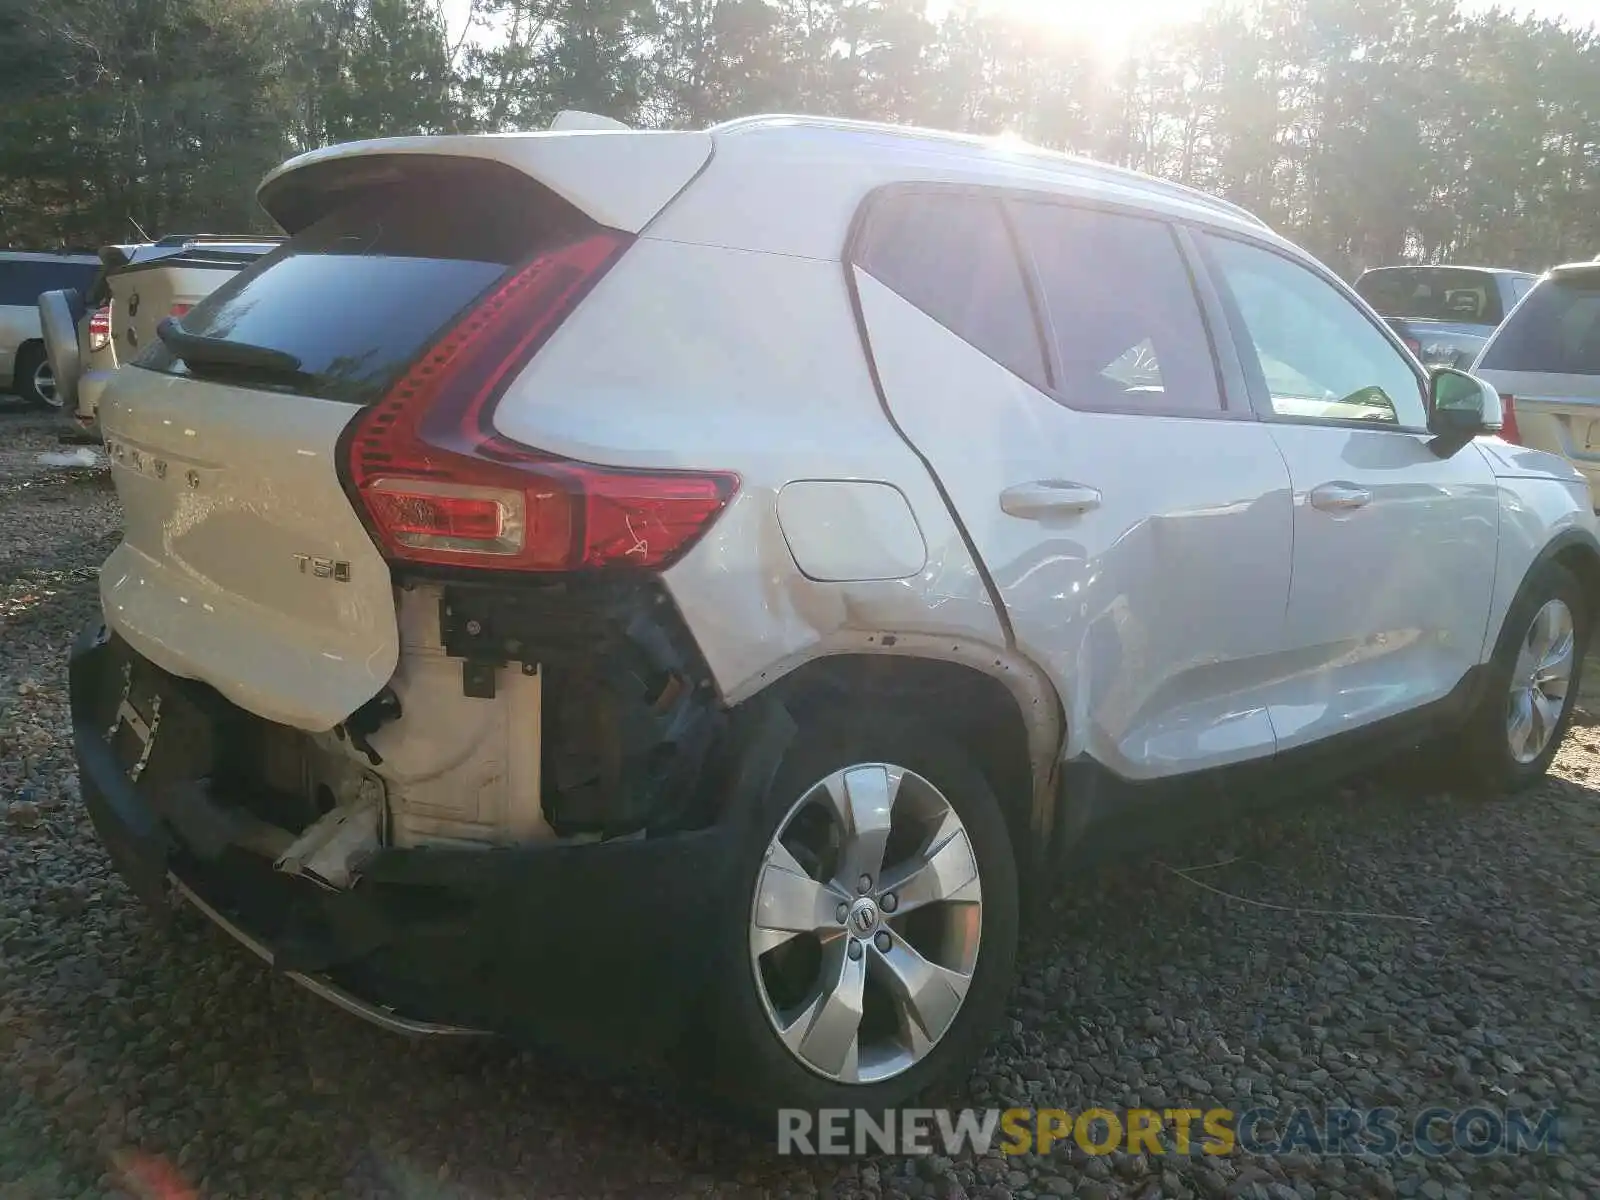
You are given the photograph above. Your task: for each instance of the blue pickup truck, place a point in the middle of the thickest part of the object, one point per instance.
(1444, 314)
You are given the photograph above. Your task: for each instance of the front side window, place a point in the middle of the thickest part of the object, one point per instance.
(1121, 311)
(1318, 355)
(952, 256)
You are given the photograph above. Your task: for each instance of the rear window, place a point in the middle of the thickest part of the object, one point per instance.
(363, 291)
(1556, 329)
(21, 282)
(1433, 294)
(1140, 346)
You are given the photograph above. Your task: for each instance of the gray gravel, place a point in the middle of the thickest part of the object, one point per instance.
(118, 1039)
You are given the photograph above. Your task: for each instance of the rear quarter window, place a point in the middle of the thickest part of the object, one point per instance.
(953, 257)
(1556, 329)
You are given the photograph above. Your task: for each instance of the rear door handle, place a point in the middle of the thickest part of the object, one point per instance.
(1048, 497)
(1339, 497)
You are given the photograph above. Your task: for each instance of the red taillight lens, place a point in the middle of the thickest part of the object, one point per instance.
(178, 310)
(1413, 345)
(100, 328)
(438, 485)
(1508, 419)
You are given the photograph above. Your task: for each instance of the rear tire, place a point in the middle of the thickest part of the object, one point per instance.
(1532, 684)
(902, 1032)
(35, 382)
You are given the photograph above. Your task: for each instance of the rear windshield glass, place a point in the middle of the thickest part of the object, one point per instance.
(359, 294)
(1556, 329)
(1433, 294)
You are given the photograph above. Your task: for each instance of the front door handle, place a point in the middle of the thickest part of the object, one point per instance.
(1048, 498)
(1340, 497)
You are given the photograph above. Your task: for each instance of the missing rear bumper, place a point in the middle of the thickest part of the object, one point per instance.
(384, 1018)
(599, 948)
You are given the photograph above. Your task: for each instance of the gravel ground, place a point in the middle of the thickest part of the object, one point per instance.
(122, 1044)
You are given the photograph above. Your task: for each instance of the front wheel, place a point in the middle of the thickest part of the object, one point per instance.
(1532, 684)
(873, 943)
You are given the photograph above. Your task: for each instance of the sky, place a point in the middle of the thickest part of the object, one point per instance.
(1113, 24)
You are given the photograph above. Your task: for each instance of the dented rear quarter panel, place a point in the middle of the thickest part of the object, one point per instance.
(708, 358)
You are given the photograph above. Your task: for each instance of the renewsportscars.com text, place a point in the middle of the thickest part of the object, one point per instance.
(1387, 1132)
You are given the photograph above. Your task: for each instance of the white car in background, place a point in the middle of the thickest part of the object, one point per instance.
(116, 314)
(682, 591)
(1545, 363)
(24, 365)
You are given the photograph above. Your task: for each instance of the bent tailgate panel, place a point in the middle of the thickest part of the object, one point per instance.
(243, 564)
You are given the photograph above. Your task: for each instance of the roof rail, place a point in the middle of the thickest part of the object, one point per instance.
(1106, 171)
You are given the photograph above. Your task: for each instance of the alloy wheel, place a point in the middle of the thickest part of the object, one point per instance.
(44, 384)
(865, 924)
(1539, 681)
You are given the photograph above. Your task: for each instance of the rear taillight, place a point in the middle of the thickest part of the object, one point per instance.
(178, 310)
(100, 328)
(1508, 419)
(1413, 345)
(437, 485)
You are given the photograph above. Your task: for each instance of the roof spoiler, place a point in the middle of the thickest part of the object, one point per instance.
(572, 118)
(578, 159)
(186, 239)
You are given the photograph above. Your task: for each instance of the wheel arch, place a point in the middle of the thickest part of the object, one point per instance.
(1574, 550)
(1003, 709)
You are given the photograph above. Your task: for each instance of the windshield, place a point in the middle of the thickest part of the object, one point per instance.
(1433, 294)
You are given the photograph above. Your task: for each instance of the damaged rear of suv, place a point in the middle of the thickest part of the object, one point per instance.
(528, 622)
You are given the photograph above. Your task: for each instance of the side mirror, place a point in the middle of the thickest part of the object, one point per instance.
(1460, 408)
(59, 314)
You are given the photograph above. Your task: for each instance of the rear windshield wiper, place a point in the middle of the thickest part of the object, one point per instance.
(198, 350)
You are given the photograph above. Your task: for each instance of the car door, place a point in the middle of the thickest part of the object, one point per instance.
(1394, 546)
(1052, 365)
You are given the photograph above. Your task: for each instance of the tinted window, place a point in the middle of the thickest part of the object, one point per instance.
(1520, 287)
(1433, 294)
(1556, 329)
(1122, 311)
(953, 257)
(356, 296)
(22, 281)
(1317, 353)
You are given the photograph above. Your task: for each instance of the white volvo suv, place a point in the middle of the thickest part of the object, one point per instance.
(695, 588)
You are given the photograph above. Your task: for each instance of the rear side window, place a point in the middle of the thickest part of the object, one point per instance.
(1433, 294)
(953, 257)
(21, 282)
(1121, 311)
(360, 293)
(1556, 329)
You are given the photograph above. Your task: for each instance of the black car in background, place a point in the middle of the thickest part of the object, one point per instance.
(1445, 314)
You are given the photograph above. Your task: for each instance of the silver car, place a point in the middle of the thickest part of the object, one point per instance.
(1545, 362)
